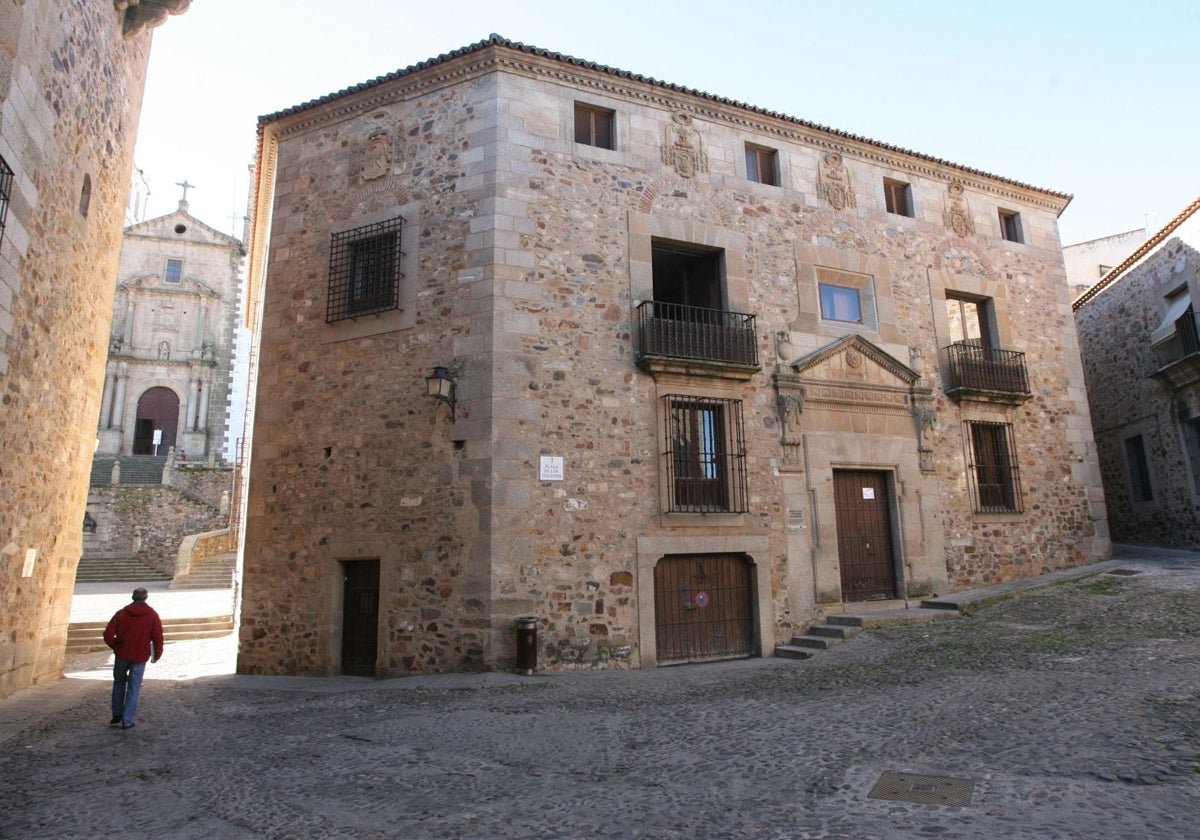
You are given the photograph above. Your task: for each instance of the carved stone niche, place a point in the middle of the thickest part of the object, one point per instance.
(147, 14)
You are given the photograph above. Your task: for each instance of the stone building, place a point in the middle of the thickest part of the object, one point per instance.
(1088, 262)
(1141, 358)
(705, 373)
(71, 77)
(168, 377)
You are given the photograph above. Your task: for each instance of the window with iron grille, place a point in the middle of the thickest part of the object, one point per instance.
(6, 183)
(594, 126)
(705, 454)
(1139, 469)
(993, 474)
(364, 271)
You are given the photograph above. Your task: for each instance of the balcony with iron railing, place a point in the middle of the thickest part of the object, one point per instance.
(988, 374)
(680, 338)
(1178, 357)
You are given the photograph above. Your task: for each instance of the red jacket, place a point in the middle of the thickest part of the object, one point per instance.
(132, 632)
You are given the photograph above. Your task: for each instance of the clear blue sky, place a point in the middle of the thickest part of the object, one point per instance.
(1099, 99)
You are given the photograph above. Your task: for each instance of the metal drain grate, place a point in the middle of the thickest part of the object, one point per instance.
(1124, 572)
(924, 790)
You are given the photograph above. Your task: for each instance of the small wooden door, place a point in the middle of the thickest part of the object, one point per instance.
(864, 529)
(360, 617)
(703, 608)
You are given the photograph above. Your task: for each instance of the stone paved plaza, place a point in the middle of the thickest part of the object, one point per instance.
(1064, 712)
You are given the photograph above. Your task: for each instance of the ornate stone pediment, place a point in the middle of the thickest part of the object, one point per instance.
(152, 282)
(853, 372)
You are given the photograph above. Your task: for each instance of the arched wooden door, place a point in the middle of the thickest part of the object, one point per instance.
(703, 608)
(157, 409)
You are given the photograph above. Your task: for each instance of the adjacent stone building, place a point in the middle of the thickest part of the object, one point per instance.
(71, 77)
(168, 377)
(1141, 355)
(704, 374)
(1088, 262)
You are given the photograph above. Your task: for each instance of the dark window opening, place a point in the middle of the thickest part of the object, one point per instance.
(762, 165)
(1191, 437)
(85, 196)
(364, 271)
(688, 275)
(970, 320)
(705, 455)
(6, 183)
(898, 197)
(995, 479)
(1139, 469)
(594, 126)
(1010, 226)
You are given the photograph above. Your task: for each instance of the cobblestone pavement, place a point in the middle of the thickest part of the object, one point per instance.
(1071, 711)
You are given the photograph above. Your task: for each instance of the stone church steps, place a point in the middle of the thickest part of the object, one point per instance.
(836, 629)
(88, 636)
(214, 572)
(116, 570)
(135, 469)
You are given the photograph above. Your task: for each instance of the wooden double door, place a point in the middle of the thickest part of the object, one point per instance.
(866, 554)
(703, 607)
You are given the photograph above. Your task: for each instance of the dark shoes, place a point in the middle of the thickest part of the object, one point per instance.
(127, 726)
(116, 719)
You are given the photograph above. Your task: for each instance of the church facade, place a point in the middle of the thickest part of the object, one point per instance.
(168, 376)
(666, 376)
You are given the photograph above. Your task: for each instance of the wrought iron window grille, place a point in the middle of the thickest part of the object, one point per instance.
(364, 271)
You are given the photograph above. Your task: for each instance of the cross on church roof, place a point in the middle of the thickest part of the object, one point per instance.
(186, 186)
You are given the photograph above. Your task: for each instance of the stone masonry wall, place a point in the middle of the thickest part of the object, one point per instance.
(70, 96)
(147, 523)
(1115, 329)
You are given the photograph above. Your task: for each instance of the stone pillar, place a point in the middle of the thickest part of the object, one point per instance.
(106, 399)
(202, 417)
(115, 478)
(189, 416)
(127, 338)
(200, 328)
(118, 412)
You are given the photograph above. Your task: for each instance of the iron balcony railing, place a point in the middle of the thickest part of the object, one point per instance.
(1183, 343)
(674, 331)
(975, 367)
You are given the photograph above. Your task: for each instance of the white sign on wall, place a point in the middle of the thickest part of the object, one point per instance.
(550, 468)
(868, 492)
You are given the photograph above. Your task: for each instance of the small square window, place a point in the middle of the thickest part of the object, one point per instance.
(594, 126)
(839, 303)
(174, 272)
(898, 197)
(762, 165)
(1010, 226)
(364, 271)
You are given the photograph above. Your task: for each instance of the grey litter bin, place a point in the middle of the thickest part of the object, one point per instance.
(526, 644)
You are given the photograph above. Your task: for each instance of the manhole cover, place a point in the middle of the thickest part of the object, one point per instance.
(1124, 572)
(924, 790)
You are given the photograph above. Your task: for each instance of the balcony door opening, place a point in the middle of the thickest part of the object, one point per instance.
(687, 277)
(970, 321)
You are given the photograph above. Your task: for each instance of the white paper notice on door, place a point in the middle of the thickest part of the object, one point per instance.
(868, 492)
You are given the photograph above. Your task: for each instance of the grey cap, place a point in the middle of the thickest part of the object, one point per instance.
(140, 594)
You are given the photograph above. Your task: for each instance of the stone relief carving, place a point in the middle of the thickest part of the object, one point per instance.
(147, 14)
(791, 407)
(682, 147)
(957, 215)
(833, 182)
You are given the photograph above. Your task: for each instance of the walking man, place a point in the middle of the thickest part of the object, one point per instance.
(135, 634)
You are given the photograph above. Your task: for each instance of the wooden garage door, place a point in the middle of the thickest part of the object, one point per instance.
(703, 608)
(864, 529)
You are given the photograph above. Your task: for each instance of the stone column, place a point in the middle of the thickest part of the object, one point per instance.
(118, 412)
(106, 399)
(193, 401)
(202, 418)
(200, 328)
(127, 338)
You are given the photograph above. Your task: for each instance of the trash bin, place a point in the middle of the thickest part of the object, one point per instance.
(526, 644)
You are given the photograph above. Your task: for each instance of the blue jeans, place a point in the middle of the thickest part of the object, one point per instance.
(127, 685)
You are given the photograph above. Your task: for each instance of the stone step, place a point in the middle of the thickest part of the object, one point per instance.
(885, 618)
(838, 628)
(92, 570)
(88, 636)
(794, 652)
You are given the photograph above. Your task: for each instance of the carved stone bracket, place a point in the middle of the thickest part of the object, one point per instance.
(147, 14)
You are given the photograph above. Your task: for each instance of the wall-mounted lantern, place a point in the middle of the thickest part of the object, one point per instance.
(440, 386)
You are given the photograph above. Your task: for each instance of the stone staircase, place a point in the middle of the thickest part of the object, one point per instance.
(116, 569)
(214, 572)
(135, 469)
(88, 636)
(837, 628)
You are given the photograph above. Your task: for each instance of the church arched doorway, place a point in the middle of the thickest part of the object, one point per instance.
(157, 411)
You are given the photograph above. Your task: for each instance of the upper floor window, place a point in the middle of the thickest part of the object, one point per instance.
(969, 320)
(839, 303)
(1139, 469)
(897, 195)
(6, 183)
(1010, 226)
(173, 272)
(364, 271)
(992, 474)
(705, 453)
(846, 297)
(762, 165)
(594, 126)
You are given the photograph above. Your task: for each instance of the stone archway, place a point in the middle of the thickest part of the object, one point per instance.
(157, 410)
